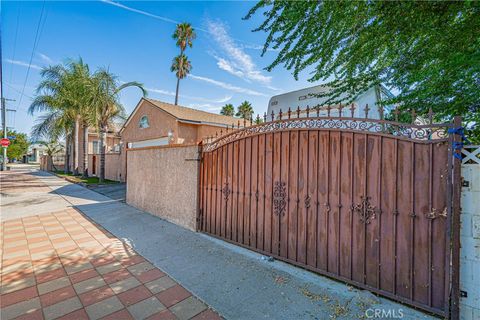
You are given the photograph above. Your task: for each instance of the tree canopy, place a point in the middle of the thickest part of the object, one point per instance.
(428, 52)
(18, 145)
(245, 110)
(228, 110)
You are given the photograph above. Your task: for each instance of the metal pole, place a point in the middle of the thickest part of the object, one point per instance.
(4, 108)
(4, 128)
(455, 231)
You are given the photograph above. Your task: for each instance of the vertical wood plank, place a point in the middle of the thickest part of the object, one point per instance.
(230, 166)
(404, 194)
(277, 164)
(241, 191)
(358, 244)
(254, 194)
(421, 207)
(268, 192)
(440, 154)
(373, 191)
(262, 213)
(323, 211)
(333, 199)
(387, 245)
(247, 192)
(292, 208)
(224, 184)
(346, 155)
(313, 193)
(235, 198)
(302, 197)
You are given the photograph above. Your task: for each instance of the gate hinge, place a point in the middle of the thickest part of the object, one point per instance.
(465, 183)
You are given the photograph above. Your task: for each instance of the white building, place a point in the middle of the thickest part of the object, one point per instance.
(308, 97)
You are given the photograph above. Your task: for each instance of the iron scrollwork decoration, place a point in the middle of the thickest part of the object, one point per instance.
(279, 202)
(307, 201)
(432, 131)
(435, 213)
(366, 211)
(226, 191)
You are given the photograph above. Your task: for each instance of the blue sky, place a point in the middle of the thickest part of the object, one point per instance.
(133, 39)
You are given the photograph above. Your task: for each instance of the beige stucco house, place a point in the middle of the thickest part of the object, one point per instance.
(155, 123)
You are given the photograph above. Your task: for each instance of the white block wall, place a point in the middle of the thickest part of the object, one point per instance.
(470, 243)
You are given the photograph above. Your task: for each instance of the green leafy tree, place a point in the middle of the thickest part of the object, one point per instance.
(18, 145)
(228, 110)
(184, 35)
(427, 50)
(245, 110)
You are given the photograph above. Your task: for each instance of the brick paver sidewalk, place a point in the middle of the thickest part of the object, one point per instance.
(61, 265)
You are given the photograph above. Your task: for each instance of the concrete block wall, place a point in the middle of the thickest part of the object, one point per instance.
(470, 243)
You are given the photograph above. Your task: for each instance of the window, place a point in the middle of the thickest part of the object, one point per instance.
(96, 147)
(143, 123)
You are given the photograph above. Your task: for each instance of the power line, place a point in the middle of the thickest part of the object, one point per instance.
(35, 43)
(15, 43)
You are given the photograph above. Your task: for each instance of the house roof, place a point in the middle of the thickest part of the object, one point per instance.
(189, 115)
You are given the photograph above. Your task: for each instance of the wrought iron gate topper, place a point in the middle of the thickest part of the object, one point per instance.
(366, 211)
(279, 194)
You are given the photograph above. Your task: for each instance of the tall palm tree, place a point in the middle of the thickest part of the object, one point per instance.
(181, 66)
(59, 113)
(64, 95)
(184, 35)
(245, 110)
(228, 110)
(81, 92)
(106, 107)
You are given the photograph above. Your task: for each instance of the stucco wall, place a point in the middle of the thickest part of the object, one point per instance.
(470, 243)
(114, 166)
(163, 181)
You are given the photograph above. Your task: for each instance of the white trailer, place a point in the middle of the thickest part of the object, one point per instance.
(308, 97)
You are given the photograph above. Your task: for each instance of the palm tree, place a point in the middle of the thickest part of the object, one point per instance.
(55, 102)
(81, 92)
(51, 148)
(106, 107)
(184, 35)
(228, 110)
(245, 110)
(64, 95)
(181, 66)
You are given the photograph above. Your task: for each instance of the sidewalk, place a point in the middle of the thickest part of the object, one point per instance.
(236, 282)
(61, 265)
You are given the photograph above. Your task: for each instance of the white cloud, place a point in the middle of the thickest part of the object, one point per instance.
(23, 64)
(139, 11)
(172, 94)
(45, 58)
(238, 62)
(205, 106)
(228, 86)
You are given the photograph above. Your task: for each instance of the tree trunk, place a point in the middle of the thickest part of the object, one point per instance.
(85, 151)
(67, 158)
(176, 93)
(76, 147)
(103, 137)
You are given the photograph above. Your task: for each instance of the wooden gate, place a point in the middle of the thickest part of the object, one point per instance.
(365, 201)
